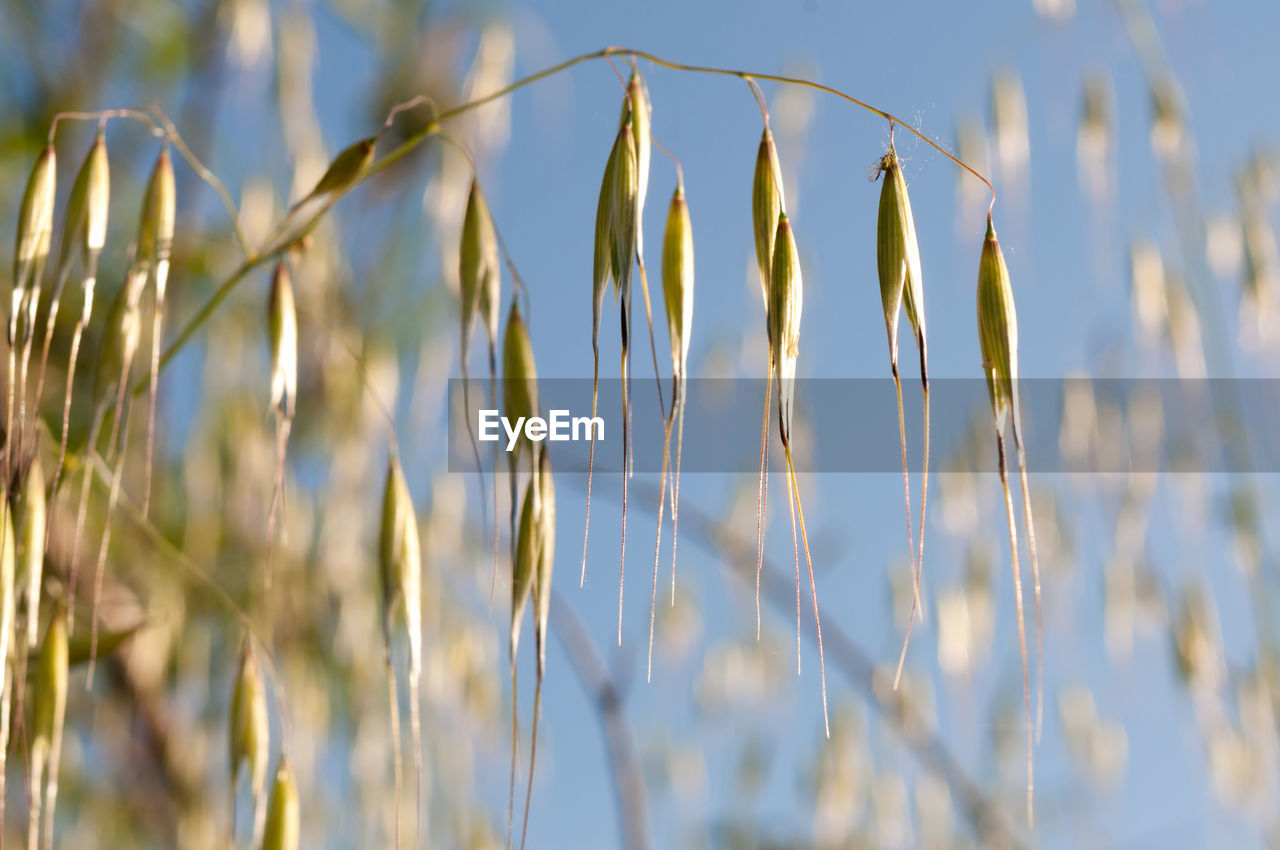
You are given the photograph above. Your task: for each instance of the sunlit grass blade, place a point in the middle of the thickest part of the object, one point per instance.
(155, 245)
(998, 337)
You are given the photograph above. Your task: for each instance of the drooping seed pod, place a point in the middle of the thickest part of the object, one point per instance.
(641, 111)
(346, 167)
(283, 814)
(546, 538)
(785, 303)
(154, 247)
(998, 339)
(601, 271)
(90, 199)
(519, 377)
(157, 221)
(50, 696)
(997, 329)
(624, 211)
(525, 569)
(35, 219)
(31, 537)
(602, 262)
(767, 203)
(400, 560)
(283, 316)
(84, 226)
(479, 268)
(250, 730)
(677, 280)
(49, 704)
(677, 286)
(901, 284)
(898, 255)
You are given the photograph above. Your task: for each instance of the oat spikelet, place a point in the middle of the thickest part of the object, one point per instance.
(283, 813)
(84, 232)
(639, 109)
(250, 733)
(519, 397)
(480, 278)
(400, 570)
(31, 521)
(901, 284)
(677, 286)
(786, 299)
(345, 169)
(624, 215)
(602, 269)
(767, 203)
(998, 337)
(48, 714)
(677, 282)
(154, 247)
(30, 251)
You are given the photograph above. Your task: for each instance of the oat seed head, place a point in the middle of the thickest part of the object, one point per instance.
(84, 226)
(677, 280)
(156, 224)
(546, 535)
(527, 556)
(35, 218)
(50, 698)
(997, 327)
(623, 210)
(641, 112)
(283, 816)
(767, 203)
(283, 319)
(519, 375)
(250, 731)
(898, 254)
(349, 164)
(479, 268)
(785, 303)
(31, 536)
(602, 262)
(400, 559)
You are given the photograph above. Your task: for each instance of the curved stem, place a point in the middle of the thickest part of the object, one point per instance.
(161, 126)
(411, 143)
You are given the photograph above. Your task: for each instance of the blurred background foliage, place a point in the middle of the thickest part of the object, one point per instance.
(1162, 682)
